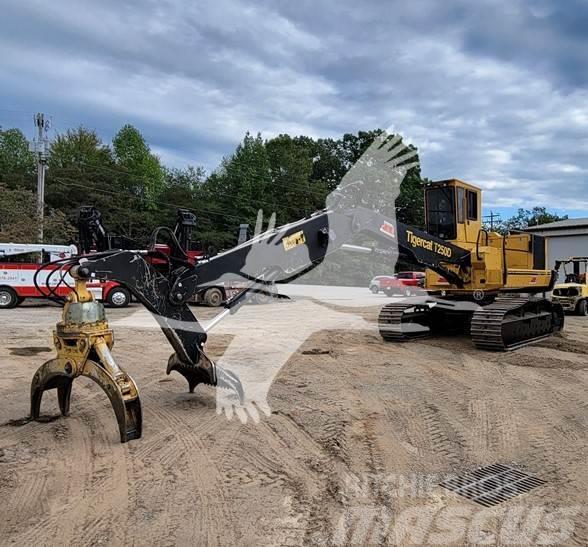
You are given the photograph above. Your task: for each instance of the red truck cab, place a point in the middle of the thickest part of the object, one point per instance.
(404, 283)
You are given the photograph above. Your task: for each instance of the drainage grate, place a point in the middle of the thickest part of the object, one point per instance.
(492, 485)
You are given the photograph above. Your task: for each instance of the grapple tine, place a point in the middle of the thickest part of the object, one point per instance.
(123, 394)
(194, 375)
(206, 372)
(53, 374)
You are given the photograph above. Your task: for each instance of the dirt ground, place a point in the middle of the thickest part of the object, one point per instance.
(359, 434)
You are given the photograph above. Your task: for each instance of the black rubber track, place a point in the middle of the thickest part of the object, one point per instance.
(392, 319)
(510, 323)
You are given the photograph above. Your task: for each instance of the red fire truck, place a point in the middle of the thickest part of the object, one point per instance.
(20, 261)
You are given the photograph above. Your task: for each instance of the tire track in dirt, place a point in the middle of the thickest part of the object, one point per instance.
(378, 496)
(286, 468)
(312, 449)
(210, 486)
(444, 411)
(158, 502)
(71, 474)
(104, 519)
(76, 475)
(207, 498)
(317, 479)
(446, 442)
(24, 500)
(478, 428)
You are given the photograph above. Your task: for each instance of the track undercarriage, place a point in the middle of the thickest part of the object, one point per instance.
(506, 323)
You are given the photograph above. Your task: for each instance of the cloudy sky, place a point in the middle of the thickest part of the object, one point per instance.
(494, 92)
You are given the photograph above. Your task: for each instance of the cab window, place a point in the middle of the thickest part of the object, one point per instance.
(23, 258)
(472, 205)
(440, 204)
(461, 205)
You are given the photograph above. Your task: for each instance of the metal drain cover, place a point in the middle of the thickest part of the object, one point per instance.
(492, 485)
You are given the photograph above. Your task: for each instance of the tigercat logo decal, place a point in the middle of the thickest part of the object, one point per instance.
(388, 229)
(428, 244)
(294, 240)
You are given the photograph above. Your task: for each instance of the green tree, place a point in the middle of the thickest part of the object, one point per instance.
(328, 164)
(291, 193)
(525, 218)
(82, 172)
(350, 147)
(17, 163)
(80, 149)
(235, 192)
(183, 188)
(143, 173)
(410, 203)
(19, 221)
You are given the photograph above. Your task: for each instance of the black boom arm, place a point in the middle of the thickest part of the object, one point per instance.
(291, 250)
(279, 256)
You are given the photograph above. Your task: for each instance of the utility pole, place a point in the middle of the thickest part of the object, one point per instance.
(40, 146)
(492, 216)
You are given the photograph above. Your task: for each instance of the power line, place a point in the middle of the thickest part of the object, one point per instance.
(317, 194)
(72, 182)
(15, 110)
(118, 170)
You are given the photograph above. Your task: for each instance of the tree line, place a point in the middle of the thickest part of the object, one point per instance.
(290, 176)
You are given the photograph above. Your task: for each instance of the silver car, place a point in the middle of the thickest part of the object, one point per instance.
(375, 286)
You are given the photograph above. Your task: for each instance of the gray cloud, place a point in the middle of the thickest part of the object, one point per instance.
(493, 92)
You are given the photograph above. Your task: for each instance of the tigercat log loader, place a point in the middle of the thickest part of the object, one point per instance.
(469, 269)
(490, 292)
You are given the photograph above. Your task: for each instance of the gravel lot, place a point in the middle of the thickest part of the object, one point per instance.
(344, 439)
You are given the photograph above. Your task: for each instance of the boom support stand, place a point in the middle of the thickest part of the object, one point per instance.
(83, 342)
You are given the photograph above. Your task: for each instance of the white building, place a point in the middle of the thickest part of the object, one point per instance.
(565, 238)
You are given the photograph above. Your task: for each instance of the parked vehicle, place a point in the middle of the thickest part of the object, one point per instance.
(404, 283)
(573, 293)
(376, 282)
(19, 262)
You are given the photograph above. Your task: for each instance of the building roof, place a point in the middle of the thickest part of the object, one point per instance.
(560, 225)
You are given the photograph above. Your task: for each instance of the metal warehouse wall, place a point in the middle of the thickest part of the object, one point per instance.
(566, 246)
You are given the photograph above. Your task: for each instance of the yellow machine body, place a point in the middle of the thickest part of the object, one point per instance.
(515, 262)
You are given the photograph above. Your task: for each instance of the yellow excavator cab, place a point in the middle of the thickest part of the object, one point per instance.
(453, 210)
